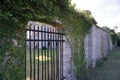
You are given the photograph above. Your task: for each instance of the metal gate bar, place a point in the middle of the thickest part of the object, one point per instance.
(44, 53)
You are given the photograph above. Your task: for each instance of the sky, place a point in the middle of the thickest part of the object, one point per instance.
(106, 12)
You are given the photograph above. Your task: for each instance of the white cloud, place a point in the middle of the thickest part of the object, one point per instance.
(109, 15)
(118, 30)
(118, 17)
(110, 8)
(86, 4)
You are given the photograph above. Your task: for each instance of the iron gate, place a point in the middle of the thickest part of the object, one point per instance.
(44, 53)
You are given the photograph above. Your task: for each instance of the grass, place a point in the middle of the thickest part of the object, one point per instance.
(45, 60)
(109, 70)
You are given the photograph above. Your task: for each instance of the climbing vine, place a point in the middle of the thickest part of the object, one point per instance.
(14, 15)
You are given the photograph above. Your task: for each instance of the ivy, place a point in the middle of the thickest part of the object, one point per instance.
(14, 15)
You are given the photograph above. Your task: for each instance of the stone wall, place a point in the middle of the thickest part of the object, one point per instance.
(97, 45)
(68, 71)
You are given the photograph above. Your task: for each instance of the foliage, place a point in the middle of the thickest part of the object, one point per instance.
(118, 35)
(14, 15)
(114, 36)
(118, 41)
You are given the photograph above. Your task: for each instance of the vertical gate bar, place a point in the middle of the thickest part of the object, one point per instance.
(62, 56)
(34, 53)
(51, 56)
(38, 51)
(54, 65)
(54, 53)
(58, 57)
(45, 49)
(61, 53)
(30, 54)
(42, 52)
(48, 51)
(25, 53)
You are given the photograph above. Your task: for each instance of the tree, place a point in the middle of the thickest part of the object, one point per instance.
(106, 28)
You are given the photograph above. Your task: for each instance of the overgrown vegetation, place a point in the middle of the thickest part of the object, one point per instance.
(113, 35)
(14, 15)
(118, 41)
